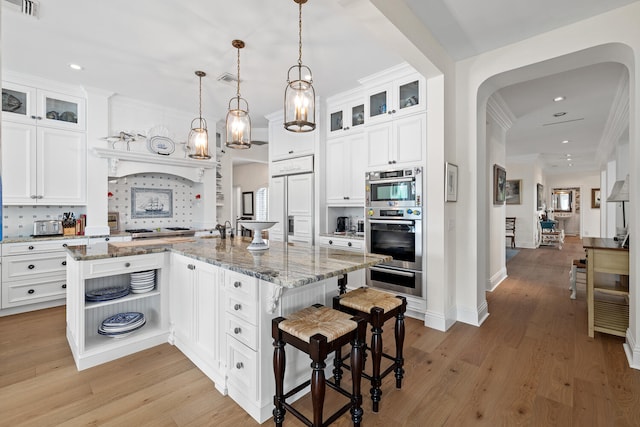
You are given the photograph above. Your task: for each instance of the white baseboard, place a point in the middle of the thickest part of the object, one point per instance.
(496, 279)
(632, 351)
(474, 317)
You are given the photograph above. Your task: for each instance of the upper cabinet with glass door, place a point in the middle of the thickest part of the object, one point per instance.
(394, 93)
(25, 104)
(345, 113)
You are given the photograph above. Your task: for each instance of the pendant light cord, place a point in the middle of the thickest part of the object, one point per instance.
(299, 33)
(238, 91)
(200, 100)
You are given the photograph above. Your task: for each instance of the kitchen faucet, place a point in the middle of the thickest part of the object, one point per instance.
(230, 228)
(222, 228)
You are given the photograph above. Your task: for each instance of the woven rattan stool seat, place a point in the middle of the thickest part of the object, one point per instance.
(364, 299)
(326, 321)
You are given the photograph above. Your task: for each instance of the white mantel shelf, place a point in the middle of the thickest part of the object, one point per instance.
(123, 163)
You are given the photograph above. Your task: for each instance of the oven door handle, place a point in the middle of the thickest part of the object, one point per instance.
(394, 271)
(387, 221)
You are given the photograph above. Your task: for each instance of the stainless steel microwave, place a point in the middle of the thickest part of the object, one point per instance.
(399, 187)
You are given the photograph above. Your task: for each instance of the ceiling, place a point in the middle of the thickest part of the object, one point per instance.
(149, 50)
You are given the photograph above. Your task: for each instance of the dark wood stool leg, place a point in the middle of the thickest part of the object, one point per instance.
(376, 355)
(318, 354)
(342, 285)
(279, 363)
(357, 362)
(399, 335)
(337, 361)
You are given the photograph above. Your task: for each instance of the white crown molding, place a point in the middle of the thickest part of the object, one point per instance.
(499, 111)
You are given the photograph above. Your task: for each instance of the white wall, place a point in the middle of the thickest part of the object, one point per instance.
(251, 177)
(587, 218)
(496, 156)
(527, 170)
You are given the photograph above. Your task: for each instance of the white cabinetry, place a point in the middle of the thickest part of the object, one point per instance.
(400, 142)
(34, 272)
(42, 165)
(394, 93)
(29, 105)
(345, 167)
(284, 144)
(89, 348)
(195, 318)
(109, 239)
(345, 114)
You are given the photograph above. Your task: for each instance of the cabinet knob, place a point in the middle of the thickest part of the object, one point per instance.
(106, 239)
(34, 117)
(346, 197)
(64, 245)
(349, 244)
(39, 117)
(127, 264)
(31, 291)
(191, 267)
(64, 286)
(237, 330)
(239, 365)
(31, 267)
(331, 242)
(346, 128)
(31, 248)
(237, 307)
(291, 152)
(33, 196)
(64, 262)
(40, 197)
(237, 284)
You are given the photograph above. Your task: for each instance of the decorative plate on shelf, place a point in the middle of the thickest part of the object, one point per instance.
(106, 294)
(162, 145)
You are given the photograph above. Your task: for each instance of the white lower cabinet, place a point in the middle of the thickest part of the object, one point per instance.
(34, 274)
(195, 317)
(90, 348)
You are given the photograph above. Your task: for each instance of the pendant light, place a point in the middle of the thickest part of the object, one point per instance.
(238, 120)
(299, 96)
(199, 136)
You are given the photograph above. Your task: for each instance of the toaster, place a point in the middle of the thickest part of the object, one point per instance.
(51, 227)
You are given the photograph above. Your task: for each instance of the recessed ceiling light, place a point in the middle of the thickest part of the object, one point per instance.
(558, 99)
(560, 114)
(76, 67)
(568, 155)
(566, 141)
(570, 164)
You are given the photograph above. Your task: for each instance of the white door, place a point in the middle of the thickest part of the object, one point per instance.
(410, 135)
(379, 140)
(300, 194)
(357, 146)
(337, 188)
(62, 159)
(276, 208)
(18, 163)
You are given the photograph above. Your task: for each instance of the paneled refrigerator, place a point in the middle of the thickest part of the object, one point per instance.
(291, 200)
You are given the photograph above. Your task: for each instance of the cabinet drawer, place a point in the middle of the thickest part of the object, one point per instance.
(243, 331)
(241, 307)
(242, 368)
(22, 293)
(22, 267)
(241, 285)
(39, 246)
(342, 243)
(122, 265)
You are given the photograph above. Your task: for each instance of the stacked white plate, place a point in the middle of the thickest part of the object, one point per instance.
(122, 324)
(143, 281)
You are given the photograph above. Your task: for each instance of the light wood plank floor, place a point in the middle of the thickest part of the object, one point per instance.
(531, 363)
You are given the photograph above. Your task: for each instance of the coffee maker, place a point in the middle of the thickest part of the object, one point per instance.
(342, 224)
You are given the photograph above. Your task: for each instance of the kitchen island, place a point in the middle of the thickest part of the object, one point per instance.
(212, 298)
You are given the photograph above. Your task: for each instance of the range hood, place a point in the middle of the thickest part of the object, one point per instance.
(620, 191)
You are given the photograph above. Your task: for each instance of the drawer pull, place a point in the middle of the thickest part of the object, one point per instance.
(349, 244)
(31, 267)
(191, 267)
(239, 365)
(31, 248)
(237, 330)
(127, 264)
(64, 245)
(237, 307)
(64, 262)
(31, 291)
(64, 286)
(331, 242)
(237, 284)
(106, 239)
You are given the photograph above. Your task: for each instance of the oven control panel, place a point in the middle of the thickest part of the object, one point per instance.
(394, 213)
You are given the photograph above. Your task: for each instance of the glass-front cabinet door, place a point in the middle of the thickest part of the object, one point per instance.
(18, 103)
(60, 110)
(400, 97)
(345, 116)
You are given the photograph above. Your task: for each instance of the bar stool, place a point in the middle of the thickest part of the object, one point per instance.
(318, 331)
(376, 307)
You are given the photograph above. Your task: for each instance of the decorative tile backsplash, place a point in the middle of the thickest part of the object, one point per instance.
(17, 221)
(120, 200)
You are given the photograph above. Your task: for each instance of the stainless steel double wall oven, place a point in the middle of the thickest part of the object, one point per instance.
(394, 227)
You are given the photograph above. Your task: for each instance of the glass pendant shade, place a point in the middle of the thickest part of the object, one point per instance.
(299, 96)
(238, 126)
(198, 141)
(299, 101)
(238, 122)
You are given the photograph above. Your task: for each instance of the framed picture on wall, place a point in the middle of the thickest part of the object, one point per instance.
(451, 173)
(512, 191)
(595, 198)
(151, 203)
(499, 184)
(247, 203)
(539, 195)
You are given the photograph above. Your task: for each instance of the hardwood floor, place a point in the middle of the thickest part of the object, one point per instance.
(531, 363)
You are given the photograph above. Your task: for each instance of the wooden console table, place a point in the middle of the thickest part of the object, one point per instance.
(607, 286)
